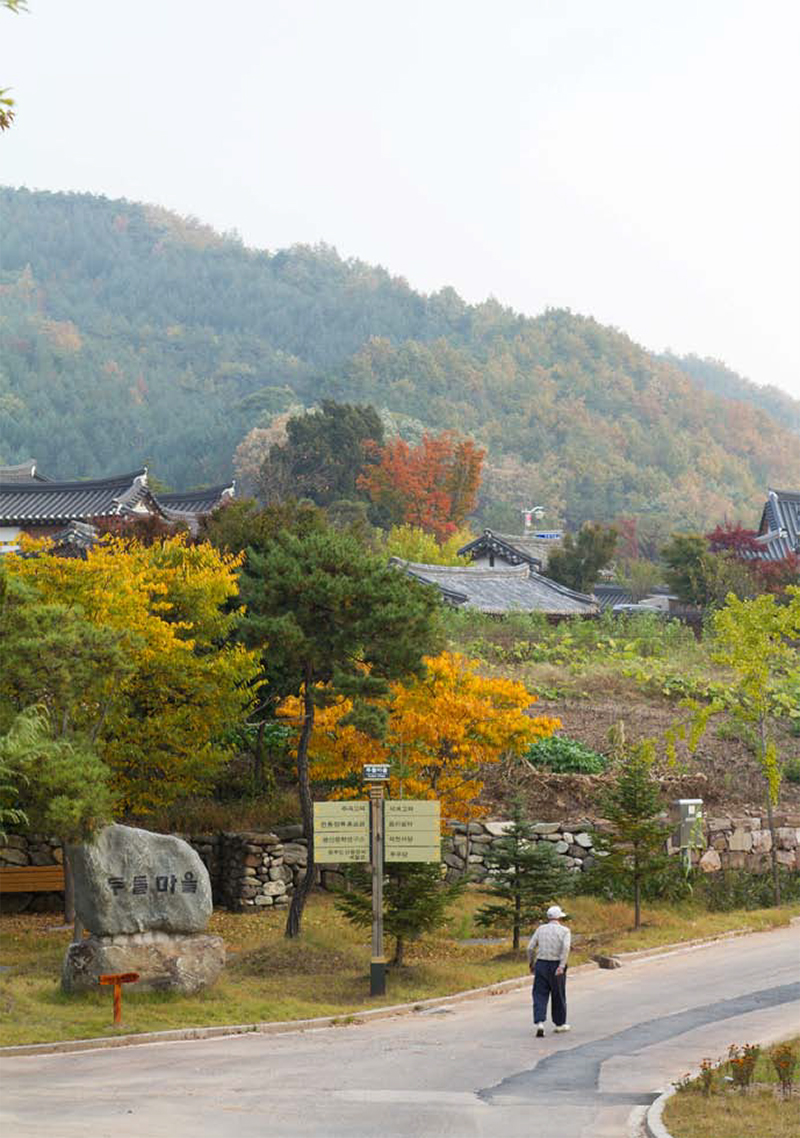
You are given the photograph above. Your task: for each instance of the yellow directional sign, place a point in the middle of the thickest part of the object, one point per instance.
(412, 830)
(341, 831)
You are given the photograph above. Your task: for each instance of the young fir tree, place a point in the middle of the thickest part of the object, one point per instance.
(526, 878)
(415, 901)
(632, 848)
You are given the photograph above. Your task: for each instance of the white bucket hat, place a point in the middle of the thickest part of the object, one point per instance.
(555, 913)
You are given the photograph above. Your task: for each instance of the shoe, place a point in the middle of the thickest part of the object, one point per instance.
(563, 1027)
(539, 1030)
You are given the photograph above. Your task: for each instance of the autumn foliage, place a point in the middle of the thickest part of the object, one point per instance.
(734, 540)
(162, 727)
(443, 728)
(432, 485)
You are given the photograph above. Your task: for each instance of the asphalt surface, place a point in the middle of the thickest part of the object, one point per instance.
(474, 1069)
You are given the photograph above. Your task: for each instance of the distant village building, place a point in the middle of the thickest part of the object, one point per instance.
(531, 548)
(779, 529)
(611, 595)
(500, 589)
(33, 504)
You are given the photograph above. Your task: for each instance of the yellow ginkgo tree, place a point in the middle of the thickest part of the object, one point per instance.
(757, 640)
(443, 729)
(163, 723)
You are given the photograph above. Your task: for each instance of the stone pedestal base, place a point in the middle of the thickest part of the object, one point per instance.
(166, 962)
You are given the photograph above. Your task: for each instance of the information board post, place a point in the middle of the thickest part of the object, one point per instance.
(375, 776)
(377, 968)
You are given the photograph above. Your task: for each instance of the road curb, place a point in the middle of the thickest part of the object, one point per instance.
(653, 1126)
(284, 1027)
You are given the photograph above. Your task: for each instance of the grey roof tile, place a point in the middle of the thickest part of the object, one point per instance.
(779, 532)
(22, 472)
(501, 589)
(531, 548)
(196, 502)
(49, 503)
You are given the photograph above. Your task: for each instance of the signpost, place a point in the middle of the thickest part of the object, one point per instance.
(377, 966)
(413, 832)
(341, 831)
(354, 832)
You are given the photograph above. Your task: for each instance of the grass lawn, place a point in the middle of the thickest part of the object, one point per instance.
(759, 1112)
(325, 972)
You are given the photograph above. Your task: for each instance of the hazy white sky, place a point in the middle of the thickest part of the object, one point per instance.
(630, 159)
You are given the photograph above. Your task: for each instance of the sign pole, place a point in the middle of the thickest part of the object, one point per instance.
(377, 968)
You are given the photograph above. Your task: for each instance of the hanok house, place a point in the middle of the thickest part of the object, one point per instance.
(33, 504)
(779, 529)
(531, 548)
(500, 589)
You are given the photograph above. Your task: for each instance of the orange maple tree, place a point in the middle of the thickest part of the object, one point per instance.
(443, 729)
(432, 485)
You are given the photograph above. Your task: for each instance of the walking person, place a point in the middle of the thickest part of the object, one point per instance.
(549, 948)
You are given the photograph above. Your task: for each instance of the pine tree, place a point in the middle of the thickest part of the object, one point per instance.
(526, 878)
(632, 848)
(415, 901)
(332, 622)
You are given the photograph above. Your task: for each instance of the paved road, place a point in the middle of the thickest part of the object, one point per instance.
(472, 1070)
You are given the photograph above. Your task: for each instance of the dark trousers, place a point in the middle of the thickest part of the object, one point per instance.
(546, 985)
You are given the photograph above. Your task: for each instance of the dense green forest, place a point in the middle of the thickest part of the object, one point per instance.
(714, 376)
(130, 335)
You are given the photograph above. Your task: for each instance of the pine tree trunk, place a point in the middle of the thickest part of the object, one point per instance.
(258, 756)
(69, 888)
(517, 913)
(399, 949)
(637, 906)
(300, 896)
(773, 854)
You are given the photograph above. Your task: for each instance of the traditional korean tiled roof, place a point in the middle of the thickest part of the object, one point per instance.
(22, 472)
(779, 532)
(196, 502)
(51, 503)
(610, 594)
(75, 540)
(515, 549)
(501, 589)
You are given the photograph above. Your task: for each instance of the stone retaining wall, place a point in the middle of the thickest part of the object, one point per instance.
(257, 869)
(465, 851)
(744, 842)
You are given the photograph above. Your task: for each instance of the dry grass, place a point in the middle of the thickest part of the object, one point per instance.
(758, 1113)
(325, 972)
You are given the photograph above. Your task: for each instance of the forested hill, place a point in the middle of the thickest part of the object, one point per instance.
(130, 335)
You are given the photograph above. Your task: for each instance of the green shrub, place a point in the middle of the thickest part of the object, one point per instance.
(742, 889)
(562, 755)
(668, 882)
(791, 770)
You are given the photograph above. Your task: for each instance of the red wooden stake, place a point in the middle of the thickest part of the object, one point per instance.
(118, 979)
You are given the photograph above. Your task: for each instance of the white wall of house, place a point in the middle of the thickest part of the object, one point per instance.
(8, 538)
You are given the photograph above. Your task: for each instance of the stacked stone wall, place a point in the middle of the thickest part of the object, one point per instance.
(465, 851)
(261, 869)
(745, 842)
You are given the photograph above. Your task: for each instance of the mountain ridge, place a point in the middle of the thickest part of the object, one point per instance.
(130, 334)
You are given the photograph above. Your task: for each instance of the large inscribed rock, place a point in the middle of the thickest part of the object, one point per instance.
(165, 962)
(146, 899)
(132, 881)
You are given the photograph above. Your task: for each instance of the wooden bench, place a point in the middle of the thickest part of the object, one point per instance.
(31, 879)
